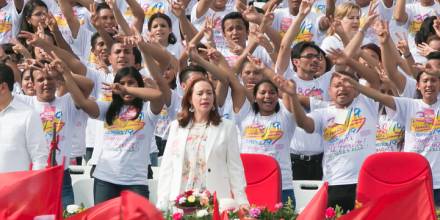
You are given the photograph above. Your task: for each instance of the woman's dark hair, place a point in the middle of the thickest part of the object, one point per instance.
(186, 72)
(117, 101)
(185, 116)
(425, 31)
(7, 76)
(255, 106)
(171, 38)
(28, 8)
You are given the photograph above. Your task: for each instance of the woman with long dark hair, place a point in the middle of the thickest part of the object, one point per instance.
(128, 130)
(202, 150)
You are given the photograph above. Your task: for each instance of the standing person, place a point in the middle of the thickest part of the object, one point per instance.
(128, 130)
(202, 150)
(21, 131)
(10, 12)
(348, 129)
(421, 119)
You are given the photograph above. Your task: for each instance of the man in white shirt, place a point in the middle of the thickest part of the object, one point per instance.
(21, 134)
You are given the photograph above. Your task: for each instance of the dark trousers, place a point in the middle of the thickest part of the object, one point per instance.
(67, 197)
(89, 152)
(342, 195)
(160, 145)
(103, 191)
(437, 197)
(309, 168)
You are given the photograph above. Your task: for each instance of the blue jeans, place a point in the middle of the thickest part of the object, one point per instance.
(437, 197)
(153, 159)
(103, 190)
(67, 197)
(285, 194)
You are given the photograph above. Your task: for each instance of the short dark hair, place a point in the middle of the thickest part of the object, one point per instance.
(185, 73)
(102, 6)
(137, 56)
(93, 40)
(6, 75)
(234, 15)
(301, 46)
(345, 73)
(373, 47)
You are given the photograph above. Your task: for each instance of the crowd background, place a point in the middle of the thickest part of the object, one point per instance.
(317, 84)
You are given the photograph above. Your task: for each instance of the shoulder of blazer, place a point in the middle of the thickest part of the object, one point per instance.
(227, 124)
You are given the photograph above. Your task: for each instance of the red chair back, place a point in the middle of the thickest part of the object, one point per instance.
(392, 172)
(263, 178)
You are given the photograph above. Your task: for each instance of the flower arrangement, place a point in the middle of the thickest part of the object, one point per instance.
(282, 211)
(192, 204)
(73, 209)
(333, 213)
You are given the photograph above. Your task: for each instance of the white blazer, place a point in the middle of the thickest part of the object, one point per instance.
(225, 174)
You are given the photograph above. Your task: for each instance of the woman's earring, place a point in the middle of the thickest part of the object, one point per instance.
(191, 109)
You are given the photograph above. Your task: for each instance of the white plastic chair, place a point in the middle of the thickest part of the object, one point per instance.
(152, 187)
(304, 191)
(83, 192)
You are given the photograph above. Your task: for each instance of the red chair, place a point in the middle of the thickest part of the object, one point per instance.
(406, 176)
(263, 177)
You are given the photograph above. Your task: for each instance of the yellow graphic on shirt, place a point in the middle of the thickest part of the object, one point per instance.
(126, 123)
(389, 133)
(416, 22)
(61, 21)
(50, 117)
(305, 32)
(261, 135)
(425, 121)
(353, 123)
(5, 22)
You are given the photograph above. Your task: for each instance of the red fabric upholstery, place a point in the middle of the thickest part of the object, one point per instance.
(263, 177)
(385, 174)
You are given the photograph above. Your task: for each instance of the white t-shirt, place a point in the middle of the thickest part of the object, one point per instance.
(410, 89)
(259, 52)
(269, 135)
(61, 112)
(303, 142)
(167, 115)
(79, 135)
(151, 7)
(390, 133)
(422, 122)
(9, 22)
(416, 14)
(349, 136)
(309, 30)
(219, 39)
(126, 146)
(55, 9)
(384, 13)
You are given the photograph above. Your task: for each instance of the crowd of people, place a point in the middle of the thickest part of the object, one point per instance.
(319, 85)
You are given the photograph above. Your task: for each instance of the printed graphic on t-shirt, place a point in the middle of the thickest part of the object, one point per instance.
(339, 132)
(318, 8)
(389, 135)
(416, 23)
(5, 22)
(124, 123)
(106, 95)
(305, 32)
(260, 135)
(162, 122)
(150, 9)
(51, 116)
(426, 121)
(312, 92)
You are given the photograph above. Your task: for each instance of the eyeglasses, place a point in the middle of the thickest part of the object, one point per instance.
(311, 56)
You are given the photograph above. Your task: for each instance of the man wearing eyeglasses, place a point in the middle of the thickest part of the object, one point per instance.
(307, 62)
(21, 132)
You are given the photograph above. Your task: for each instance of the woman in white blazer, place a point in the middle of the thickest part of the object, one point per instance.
(202, 151)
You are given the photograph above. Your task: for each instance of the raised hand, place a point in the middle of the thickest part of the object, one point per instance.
(250, 14)
(208, 28)
(94, 18)
(32, 39)
(51, 22)
(177, 8)
(111, 4)
(402, 44)
(286, 86)
(259, 65)
(338, 56)
(424, 49)
(305, 7)
(382, 31)
(436, 26)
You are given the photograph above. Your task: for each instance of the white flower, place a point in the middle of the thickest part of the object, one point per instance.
(182, 200)
(72, 208)
(202, 213)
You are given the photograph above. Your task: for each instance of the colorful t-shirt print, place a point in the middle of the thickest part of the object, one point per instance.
(125, 145)
(52, 119)
(349, 136)
(390, 134)
(422, 133)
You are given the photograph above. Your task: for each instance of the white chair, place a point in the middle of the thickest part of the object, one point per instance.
(79, 172)
(152, 187)
(304, 191)
(83, 192)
